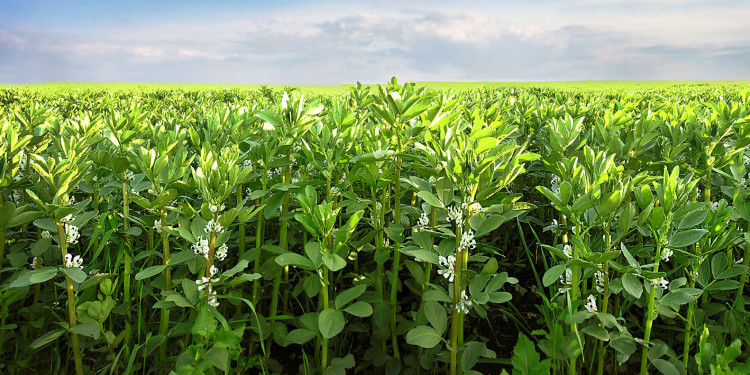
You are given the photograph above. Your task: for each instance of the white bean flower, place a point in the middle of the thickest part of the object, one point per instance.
(129, 176)
(599, 276)
(553, 227)
(68, 218)
(424, 220)
(213, 226)
(34, 262)
(590, 305)
(201, 247)
(46, 234)
(467, 241)
(566, 278)
(568, 251)
(450, 263)
(71, 261)
(221, 254)
(72, 233)
(660, 283)
(464, 303)
(555, 180)
(157, 226)
(666, 254)
(746, 160)
(455, 214)
(714, 206)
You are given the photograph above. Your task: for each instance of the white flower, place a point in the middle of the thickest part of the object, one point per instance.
(94, 272)
(71, 261)
(474, 208)
(568, 251)
(157, 225)
(463, 303)
(221, 254)
(698, 193)
(450, 264)
(590, 305)
(212, 300)
(46, 234)
(129, 176)
(555, 180)
(215, 166)
(68, 219)
(213, 226)
(201, 247)
(248, 192)
(599, 276)
(247, 164)
(666, 254)
(661, 283)
(424, 221)
(335, 191)
(34, 262)
(467, 241)
(714, 206)
(746, 160)
(212, 208)
(456, 214)
(72, 233)
(213, 270)
(552, 227)
(16, 196)
(565, 279)
(739, 261)
(556, 190)
(386, 242)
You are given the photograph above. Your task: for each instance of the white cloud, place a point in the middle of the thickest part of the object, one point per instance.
(147, 51)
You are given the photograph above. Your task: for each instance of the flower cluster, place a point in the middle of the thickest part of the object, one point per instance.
(450, 264)
(67, 219)
(745, 159)
(71, 261)
(215, 208)
(273, 172)
(221, 254)
(205, 283)
(72, 233)
(157, 226)
(566, 279)
(424, 220)
(335, 191)
(46, 234)
(660, 283)
(599, 276)
(34, 262)
(554, 226)
(130, 176)
(213, 226)
(247, 164)
(467, 241)
(456, 214)
(568, 251)
(590, 305)
(666, 254)
(713, 206)
(464, 303)
(201, 247)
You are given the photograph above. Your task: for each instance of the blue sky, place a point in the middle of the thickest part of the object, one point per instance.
(329, 42)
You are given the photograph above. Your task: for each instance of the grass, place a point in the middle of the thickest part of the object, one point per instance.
(344, 88)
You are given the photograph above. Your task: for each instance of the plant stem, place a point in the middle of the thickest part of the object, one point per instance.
(324, 341)
(456, 316)
(164, 324)
(605, 297)
(127, 272)
(71, 302)
(649, 318)
(573, 368)
(396, 256)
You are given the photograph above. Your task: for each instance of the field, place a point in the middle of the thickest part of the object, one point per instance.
(426, 228)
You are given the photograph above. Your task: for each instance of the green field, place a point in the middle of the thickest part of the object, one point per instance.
(344, 88)
(524, 228)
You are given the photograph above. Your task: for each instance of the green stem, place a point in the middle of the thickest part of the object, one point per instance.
(649, 318)
(456, 316)
(127, 271)
(2, 235)
(71, 303)
(324, 341)
(164, 324)
(605, 298)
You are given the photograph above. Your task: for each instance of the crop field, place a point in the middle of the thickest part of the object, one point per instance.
(375, 229)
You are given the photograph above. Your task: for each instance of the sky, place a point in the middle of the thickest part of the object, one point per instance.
(335, 41)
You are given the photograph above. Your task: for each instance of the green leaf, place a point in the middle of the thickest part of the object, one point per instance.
(219, 355)
(596, 331)
(43, 274)
(686, 237)
(294, 259)
(436, 315)
(525, 357)
(359, 309)
(47, 338)
(331, 322)
(204, 324)
(76, 274)
(665, 367)
(349, 295)
(676, 298)
(149, 272)
(553, 274)
(424, 336)
(718, 264)
(88, 329)
(333, 261)
(431, 199)
(723, 285)
(632, 285)
(299, 336)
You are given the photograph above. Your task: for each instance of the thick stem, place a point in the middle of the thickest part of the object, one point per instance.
(127, 271)
(164, 324)
(649, 318)
(2, 235)
(71, 303)
(259, 239)
(456, 316)
(396, 260)
(605, 298)
(573, 367)
(324, 300)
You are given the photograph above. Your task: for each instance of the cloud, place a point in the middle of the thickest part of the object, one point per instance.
(343, 43)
